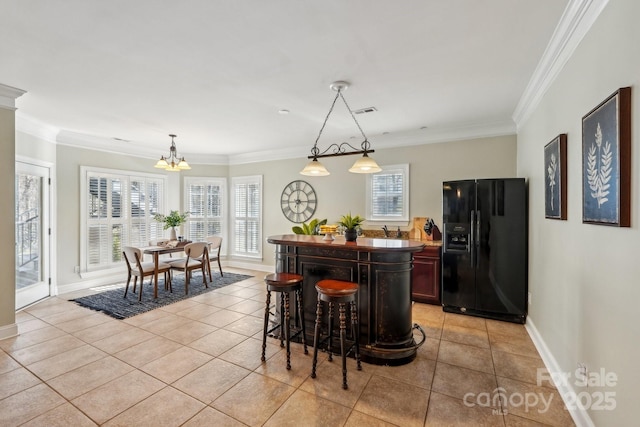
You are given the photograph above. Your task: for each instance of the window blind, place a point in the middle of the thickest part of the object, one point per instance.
(119, 212)
(205, 203)
(247, 216)
(387, 194)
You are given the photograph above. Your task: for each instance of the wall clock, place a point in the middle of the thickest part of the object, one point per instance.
(298, 201)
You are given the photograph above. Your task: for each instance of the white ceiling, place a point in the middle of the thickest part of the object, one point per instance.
(216, 73)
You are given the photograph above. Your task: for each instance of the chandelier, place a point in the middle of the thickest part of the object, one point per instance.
(365, 164)
(172, 162)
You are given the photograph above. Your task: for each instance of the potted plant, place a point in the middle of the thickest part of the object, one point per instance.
(173, 220)
(351, 224)
(311, 228)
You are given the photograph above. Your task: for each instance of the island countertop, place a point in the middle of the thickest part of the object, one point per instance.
(362, 243)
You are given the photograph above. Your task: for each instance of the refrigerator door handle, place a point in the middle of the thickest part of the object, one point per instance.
(471, 243)
(478, 229)
(477, 240)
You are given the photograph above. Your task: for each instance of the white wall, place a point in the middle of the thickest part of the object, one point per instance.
(584, 278)
(343, 192)
(338, 193)
(7, 226)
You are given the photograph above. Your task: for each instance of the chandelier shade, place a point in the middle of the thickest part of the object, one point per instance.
(363, 165)
(172, 162)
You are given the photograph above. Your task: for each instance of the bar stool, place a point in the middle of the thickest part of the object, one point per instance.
(284, 283)
(340, 292)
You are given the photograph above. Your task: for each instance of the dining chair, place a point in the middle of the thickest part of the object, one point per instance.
(138, 268)
(196, 253)
(215, 242)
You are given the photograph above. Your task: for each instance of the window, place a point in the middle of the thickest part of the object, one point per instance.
(388, 194)
(117, 210)
(247, 216)
(205, 202)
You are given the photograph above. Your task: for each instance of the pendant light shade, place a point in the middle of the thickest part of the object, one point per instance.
(314, 168)
(365, 164)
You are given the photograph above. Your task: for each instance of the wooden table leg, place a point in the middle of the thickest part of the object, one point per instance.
(156, 260)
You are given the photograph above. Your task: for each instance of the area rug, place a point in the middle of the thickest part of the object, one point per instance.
(113, 303)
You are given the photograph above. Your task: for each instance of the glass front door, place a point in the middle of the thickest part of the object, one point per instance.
(32, 233)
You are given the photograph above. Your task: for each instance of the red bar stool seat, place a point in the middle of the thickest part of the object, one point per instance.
(340, 292)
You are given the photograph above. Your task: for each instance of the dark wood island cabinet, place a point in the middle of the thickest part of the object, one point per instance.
(383, 270)
(426, 275)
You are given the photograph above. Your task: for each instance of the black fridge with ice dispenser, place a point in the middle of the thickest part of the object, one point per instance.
(484, 253)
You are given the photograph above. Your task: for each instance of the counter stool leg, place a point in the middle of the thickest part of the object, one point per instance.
(343, 327)
(330, 323)
(281, 320)
(316, 337)
(266, 325)
(287, 321)
(356, 332)
(301, 317)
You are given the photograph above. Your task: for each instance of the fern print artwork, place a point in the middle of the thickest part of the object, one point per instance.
(552, 170)
(555, 171)
(599, 168)
(606, 161)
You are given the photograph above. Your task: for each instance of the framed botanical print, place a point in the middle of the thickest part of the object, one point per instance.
(606, 161)
(555, 178)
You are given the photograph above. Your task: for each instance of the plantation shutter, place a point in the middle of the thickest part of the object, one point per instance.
(387, 194)
(247, 212)
(118, 212)
(205, 203)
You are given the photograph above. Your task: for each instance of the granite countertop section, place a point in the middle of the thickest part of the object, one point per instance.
(404, 235)
(362, 243)
(379, 234)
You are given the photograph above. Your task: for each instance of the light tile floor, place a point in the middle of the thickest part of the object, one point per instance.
(197, 363)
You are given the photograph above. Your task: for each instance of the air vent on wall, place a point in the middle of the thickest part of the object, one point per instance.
(365, 110)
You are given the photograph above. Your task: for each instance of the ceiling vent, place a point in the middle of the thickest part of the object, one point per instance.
(365, 110)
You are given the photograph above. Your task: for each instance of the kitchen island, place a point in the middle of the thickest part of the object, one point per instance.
(383, 270)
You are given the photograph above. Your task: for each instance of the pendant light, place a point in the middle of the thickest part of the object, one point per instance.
(365, 164)
(172, 163)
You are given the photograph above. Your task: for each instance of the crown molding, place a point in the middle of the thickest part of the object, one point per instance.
(29, 125)
(269, 155)
(577, 19)
(453, 132)
(8, 96)
(110, 145)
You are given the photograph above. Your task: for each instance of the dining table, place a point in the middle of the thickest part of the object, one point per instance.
(158, 250)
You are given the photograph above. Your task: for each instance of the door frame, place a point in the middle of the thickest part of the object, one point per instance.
(49, 261)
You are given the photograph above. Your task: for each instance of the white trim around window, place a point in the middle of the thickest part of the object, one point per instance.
(205, 198)
(387, 195)
(140, 195)
(246, 216)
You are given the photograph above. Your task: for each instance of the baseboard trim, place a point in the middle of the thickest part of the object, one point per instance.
(8, 331)
(580, 416)
(251, 266)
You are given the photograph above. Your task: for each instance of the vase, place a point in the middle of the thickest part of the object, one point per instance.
(173, 235)
(350, 235)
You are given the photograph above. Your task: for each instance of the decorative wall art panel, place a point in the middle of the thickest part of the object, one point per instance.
(606, 161)
(555, 178)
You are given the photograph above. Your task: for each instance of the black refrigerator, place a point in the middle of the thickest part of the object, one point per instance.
(484, 253)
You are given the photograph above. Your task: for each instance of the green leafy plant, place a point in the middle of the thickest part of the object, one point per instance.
(351, 222)
(310, 229)
(174, 219)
